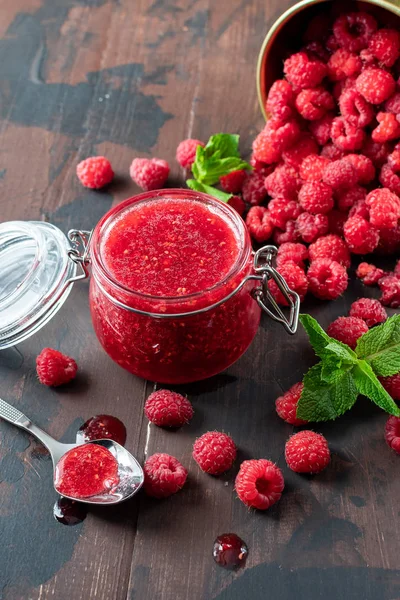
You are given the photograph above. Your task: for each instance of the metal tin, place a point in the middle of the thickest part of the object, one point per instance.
(284, 36)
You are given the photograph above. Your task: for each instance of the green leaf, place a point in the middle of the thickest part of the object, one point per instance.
(322, 401)
(208, 189)
(369, 385)
(344, 352)
(380, 347)
(227, 144)
(319, 339)
(210, 170)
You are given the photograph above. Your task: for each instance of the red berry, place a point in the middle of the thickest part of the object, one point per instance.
(280, 100)
(336, 220)
(286, 405)
(310, 227)
(343, 64)
(168, 409)
(238, 204)
(385, 46)
(376, 85)
(296, 280)
(276, 136)
(315, 50)
(321, 129)
(149, 173)
(303, 72)
(330, 246)
(393, 104)
(353, 31)
(233, 182)
(332, 152)
(314, 103)
(390, 288)
(388, 128)
(304, 146)
(186, 152)
(282, 210)
(312, 167)
(369, 274)
(364, 167)
(378, 153)
(163, 475)
(54, 368)
(392, 385)
(214, 452)
(345, 136)
(307, 452)
(289, 234)
(346, 199)
(259, 483)
(259, 223)
(394, 159)
(392, 431)
(283, 182)
(361, 236)
(95, 172)
(389, 179)
(340, 174)
(293, 252)
(316, 197)
(253, 190)
(389, 241)
(347, 330)
(369, 310)
(384, 208)
(327, 279)
(359, 209)
(355, 109)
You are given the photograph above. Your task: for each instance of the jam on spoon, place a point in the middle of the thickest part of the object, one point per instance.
(230, 551)
(102, 427)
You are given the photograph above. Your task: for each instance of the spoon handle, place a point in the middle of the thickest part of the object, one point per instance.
(13, 415)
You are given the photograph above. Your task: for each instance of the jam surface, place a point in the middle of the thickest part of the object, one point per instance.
(102, 427)
(230, 551)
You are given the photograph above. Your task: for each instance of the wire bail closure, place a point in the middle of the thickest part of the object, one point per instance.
(79, 252)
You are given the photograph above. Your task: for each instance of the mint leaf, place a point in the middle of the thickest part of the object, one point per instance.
(208, 189)
(369, 385)
(227, 144)
(210, 170)
(380, 347)
(322, 401)
(344, 352)
(319, 339)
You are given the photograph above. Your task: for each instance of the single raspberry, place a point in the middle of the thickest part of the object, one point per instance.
(259, 483)
(353, 31)
(214, 452)
(393, 104)
(385, 46)
(378, 153)
(355, 109)
(347, 330)
(238, 204)
(312, 167)
(343, 85)
(369, 310)
(282, 210)
(303, 72)
(291, 251)
(265, 148)
(259, 223)
(186, 152)
(276, 136)
(388, 128)
(316, 197)
(369, 274)
(321, 129)
(330, 246)
(233, 182)
(392, 430)
(286, 405)
(384, 208)
(253, 190)
(336, 220)
(307, 452)
(363, 166)
(389, 241)
(389, 178)
(343, 64)
(345, 136)
(54, 368)
(168, 409)
(296, 280)
(332, 152)
(280, 100)
(376, 85)
(340, 174)
(149, 173)
(284, 182)
(392, 386)
(95, 172)
(304, 146)
(390, 288)
(327, 279)
(289, 234)
(310, 227)
(345, 199)
(163, 475)
(314, 103)
(361, 236)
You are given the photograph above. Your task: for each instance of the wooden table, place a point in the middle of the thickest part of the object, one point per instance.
(124, 78)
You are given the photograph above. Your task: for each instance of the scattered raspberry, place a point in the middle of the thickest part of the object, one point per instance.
(293, 252)
(343, 64)
(296, 280)
(259, 223)
(353, 31)
(149, 173)
(369, 310)
(327, 279)
(307, 452)
(303, 72)
(316, 197)
(163, 475)
(389, 179)
(340, 174)
(186, 152)
(282, 210)
(346, 136)
(378, 153)
(310, 227)
(214, 452)
(369, 274)
(289, 234)
(384, 209)
(363, 166)
(361, 236)
(168, 409)
(392, 431)
(304, 146)
(314, 103)
(389, 241)
(330, 246)
(259, 483)
(283, 182)
(385, 46)
(54, 368)
(360, 209)
(95, 172)
(313, 167)
(321, 129)
(233, 182)
(392, 386)
(390, 288)
(238, 204)
(393, 104)
(376, 85)
(388, 128)
(355, 109)
(347, 330)
(280, 100)
(253, 190)
(345, 199)
(332, 152)
(336, 220)
(286, 405)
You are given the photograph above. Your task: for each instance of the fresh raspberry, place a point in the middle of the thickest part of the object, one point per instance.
(186, 152)
(280, 100)
(310, 227)
(293, 252)
(313, 167)
(163, 475)
(168, 409)
(314, 103)
(282, 210)
(276, 136)
(363, 166)
(392, 429)
(369, 310)
(321, 129)
(343, 64)
(54, 368)
(284, 182)
(378, 153)
(347, 330)
(389, 241)
(259, 223)
(304, 146)
(265, 148)
(390, 288)
(369, 274)
(258, 165)
(394, 159)
(345, 136)
(259, 483)
(340, 174)
(238, 204)
(233, 182)
(296, 280)
(149, 173)
(327, 279)
(253, 190)
(315, 50)
(303, 72)
(385, 46)
(95, 172)
(376, 85)
(345, 199)
(392, 386)
(389, 178)
(330, 246)
(286, 405)
(332, 44)
(353, 31)
(388, 128)
(289, 234)
(336, 220)
(343, 85)
(307, 452)
(316, 197)
(332, 152)
(368, 59)
(384, 209)
(359, 209)
(361, 236)
(355, 109)
(393, 104)
(214, 452)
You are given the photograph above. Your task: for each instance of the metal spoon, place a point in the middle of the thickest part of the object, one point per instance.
(130, 472)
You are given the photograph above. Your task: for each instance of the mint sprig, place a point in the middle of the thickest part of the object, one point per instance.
(332, 386)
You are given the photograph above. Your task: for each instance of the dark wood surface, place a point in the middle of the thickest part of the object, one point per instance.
(132, 78)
